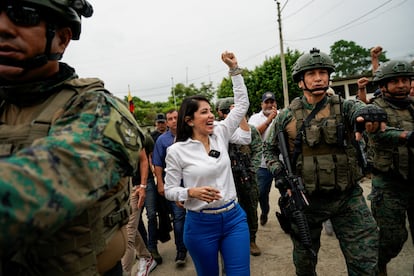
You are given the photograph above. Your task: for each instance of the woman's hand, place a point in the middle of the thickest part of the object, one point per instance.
(230, 59)
(205, 193)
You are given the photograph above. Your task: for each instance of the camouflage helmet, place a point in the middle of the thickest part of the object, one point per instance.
(68, 12)
(392, 69)
(218, 102)
(314, 60)
(226, 103)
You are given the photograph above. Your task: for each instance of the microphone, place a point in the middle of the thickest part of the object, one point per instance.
(214, 153)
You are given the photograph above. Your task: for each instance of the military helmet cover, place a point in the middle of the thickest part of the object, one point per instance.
(66, 11)
(226, 103)
(218, 103)
(313, 60)
(392, 69)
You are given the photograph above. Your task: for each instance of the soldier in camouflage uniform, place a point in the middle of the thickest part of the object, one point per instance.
(326, 161)
(245, 160)
(393, 160)
(67, 147)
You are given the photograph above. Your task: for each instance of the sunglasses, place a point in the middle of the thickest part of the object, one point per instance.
(22, 15)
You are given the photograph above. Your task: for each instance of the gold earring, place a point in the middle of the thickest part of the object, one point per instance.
(192, 124)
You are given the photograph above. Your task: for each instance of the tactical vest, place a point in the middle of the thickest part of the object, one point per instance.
(75, 249)
(325, 164)
(392, 158)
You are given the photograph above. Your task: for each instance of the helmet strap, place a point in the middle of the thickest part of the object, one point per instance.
(312, 90)
(39, 60)
(390, 95)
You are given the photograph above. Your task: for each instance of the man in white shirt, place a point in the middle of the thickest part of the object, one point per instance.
(262, 121)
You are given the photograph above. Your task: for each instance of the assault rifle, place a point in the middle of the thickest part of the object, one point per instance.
(294, 202)
(240, 164)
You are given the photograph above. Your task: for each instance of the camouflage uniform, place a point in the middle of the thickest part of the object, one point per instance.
(245, 160)
(343, 203)
(66, 149)
(319, 140)
(393, 171)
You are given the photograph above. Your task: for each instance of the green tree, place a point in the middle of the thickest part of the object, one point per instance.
(269, 78)
(144, 111)
(351, 59)
(276, 85)
(180, 91)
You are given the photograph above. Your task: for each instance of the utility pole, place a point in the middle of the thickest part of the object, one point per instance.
(173, 92)
(282, 58)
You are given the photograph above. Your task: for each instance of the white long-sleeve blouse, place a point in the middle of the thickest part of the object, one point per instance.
(190, 162)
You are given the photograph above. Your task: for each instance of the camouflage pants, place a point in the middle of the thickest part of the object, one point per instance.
(390, 198)
(248, 197)
(354, 227)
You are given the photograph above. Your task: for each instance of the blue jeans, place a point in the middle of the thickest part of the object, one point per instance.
(178, 214)
(264, 179)
(151, 207)
(205, 235)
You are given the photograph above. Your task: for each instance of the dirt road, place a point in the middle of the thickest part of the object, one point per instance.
(276, 256)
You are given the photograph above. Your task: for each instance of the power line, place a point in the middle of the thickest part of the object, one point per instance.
(285, 5)
(344, 25)
(299, 10)
(374, 16)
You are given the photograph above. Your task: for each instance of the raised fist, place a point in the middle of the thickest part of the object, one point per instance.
(230, 59)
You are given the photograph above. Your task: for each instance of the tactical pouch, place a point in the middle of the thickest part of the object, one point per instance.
(326, 172)
(313, 135)
(344, 173)
(329, 131)
(308, 173)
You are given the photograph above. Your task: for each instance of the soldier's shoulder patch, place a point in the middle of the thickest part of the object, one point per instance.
(123, 128)
(129, 134)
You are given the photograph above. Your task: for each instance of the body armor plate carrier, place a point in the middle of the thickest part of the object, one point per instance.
(74, 249)
(328, 161)
(391, 158)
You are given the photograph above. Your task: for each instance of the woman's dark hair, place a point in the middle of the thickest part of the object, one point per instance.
(186, 112)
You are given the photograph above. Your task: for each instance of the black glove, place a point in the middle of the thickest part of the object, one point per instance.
(282, 184)
(370, 113)
(410, 139)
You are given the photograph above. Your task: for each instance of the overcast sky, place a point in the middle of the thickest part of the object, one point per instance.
(154, 44)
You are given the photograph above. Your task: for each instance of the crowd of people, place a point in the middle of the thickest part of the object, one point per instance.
(78, 171)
